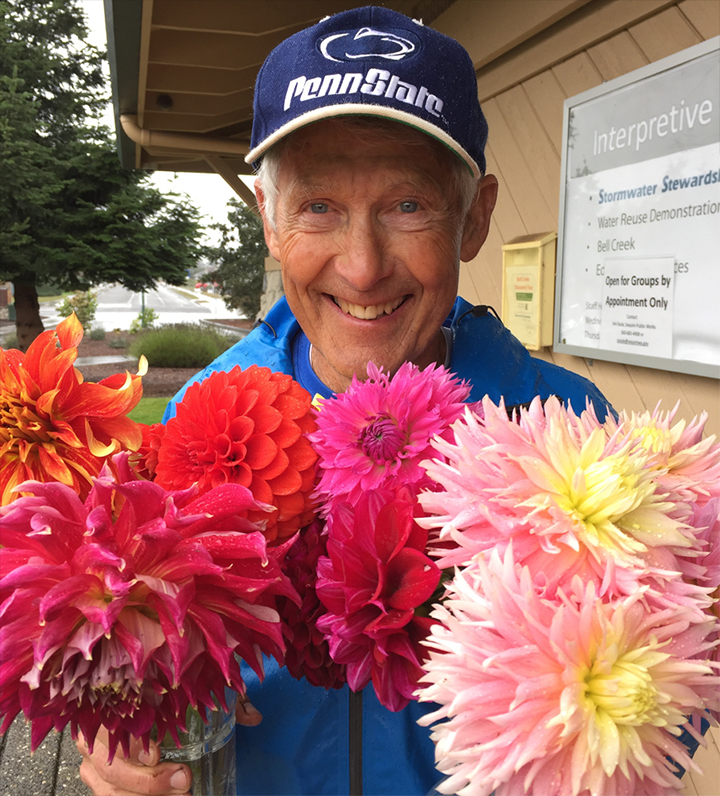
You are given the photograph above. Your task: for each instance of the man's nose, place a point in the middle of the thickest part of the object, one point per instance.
(362, 261)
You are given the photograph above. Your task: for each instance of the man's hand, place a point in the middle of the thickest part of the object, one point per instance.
(142, 772)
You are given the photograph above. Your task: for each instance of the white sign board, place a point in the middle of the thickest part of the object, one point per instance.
(639, 239)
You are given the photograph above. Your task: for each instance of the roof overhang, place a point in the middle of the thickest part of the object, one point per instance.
(183, 73)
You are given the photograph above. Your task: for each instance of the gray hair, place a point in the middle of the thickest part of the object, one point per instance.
(463, 183)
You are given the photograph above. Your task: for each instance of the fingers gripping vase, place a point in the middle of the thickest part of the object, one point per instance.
(208, 749)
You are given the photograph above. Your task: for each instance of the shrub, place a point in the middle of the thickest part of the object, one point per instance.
(97, 334)
(11, 341)
(181, 345)
(83, 304)
(118, 342)
(145, 320)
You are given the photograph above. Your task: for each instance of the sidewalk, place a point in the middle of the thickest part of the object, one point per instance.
(52, 769)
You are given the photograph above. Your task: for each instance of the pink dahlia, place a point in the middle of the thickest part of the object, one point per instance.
(688, 466)
(376, 433)
(244, 427)
(308, 653)
(572, 499)
(567, 697)
(122, 610)
(373, 582)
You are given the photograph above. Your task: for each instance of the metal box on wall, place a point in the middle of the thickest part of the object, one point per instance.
(528, 288)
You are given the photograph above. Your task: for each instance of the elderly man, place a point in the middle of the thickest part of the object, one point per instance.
(369, 141)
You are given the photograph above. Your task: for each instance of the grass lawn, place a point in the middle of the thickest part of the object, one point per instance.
(149, 410)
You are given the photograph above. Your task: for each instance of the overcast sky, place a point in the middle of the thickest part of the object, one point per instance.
(208, 192)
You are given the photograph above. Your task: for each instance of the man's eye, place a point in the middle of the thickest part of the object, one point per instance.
(318, 207)
(408, 207)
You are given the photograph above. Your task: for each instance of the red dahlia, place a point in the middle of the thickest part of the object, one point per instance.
(307, 654)
(245, 427)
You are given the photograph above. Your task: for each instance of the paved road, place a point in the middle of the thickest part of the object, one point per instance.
(118, 307)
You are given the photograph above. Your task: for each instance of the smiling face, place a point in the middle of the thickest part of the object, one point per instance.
(369, 234)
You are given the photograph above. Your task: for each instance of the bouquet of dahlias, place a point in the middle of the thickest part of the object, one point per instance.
(125, 602)
(250, 427)
(374, 575)
(579, 634)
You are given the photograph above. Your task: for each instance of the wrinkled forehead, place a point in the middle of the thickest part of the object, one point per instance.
(372, 156)
(352, 138)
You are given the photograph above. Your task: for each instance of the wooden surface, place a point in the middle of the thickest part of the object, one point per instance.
(522, 95)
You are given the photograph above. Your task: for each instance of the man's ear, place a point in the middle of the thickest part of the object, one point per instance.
(477, 222)
(271, 238)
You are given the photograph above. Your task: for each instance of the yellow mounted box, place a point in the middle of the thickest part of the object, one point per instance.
(528, 288)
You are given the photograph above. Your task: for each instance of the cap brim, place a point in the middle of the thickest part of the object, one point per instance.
(358, 109)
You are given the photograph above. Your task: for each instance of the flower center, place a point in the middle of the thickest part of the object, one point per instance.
(18, 422)
(381, 440)
(627, 694)
(655, 439)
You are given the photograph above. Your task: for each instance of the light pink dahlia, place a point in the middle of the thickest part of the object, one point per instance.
(572, 499)
(558, 698)
(124, 609)
(372, 582)
(688, 465)
(377, 432)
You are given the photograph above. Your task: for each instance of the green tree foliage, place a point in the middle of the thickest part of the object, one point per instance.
(68, 212)
(240, 259)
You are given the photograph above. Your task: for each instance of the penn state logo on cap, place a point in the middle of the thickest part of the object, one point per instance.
(371, 61)
(365, 43)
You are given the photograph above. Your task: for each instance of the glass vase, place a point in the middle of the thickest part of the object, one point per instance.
(208, 749)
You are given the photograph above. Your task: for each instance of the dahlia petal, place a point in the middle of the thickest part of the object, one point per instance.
(260, 451)
(275, 467)
(225, 500)
(287, 482)
(416, 577)
(265, 419)
(66, 593)
(30, 574)
(39, 730)
(54, 466)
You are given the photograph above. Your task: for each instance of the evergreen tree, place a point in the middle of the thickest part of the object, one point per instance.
(240, 259)
(68, 211)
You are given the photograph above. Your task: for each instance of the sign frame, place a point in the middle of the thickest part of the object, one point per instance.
(566, 221)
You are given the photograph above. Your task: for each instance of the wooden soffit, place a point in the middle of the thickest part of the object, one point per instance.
(183, 71)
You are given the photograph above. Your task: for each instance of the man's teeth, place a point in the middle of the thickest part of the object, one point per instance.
(368, 313)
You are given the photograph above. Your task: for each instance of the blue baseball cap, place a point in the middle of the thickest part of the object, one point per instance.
(371, 61)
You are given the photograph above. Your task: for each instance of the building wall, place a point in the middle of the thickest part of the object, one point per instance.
(522, 93)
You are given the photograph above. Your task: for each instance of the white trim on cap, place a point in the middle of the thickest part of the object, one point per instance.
(358, 109)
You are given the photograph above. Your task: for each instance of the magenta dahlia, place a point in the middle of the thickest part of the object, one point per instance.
(123, 609)
(373, 583)
(376, 433)
(566, 697)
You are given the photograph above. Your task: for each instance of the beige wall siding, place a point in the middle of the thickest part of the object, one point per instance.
(522, 94)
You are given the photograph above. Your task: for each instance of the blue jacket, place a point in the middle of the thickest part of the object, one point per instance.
(484, 352)
(302, 745)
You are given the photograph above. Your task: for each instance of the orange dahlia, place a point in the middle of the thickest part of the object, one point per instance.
(53, 425)
(246, 427)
